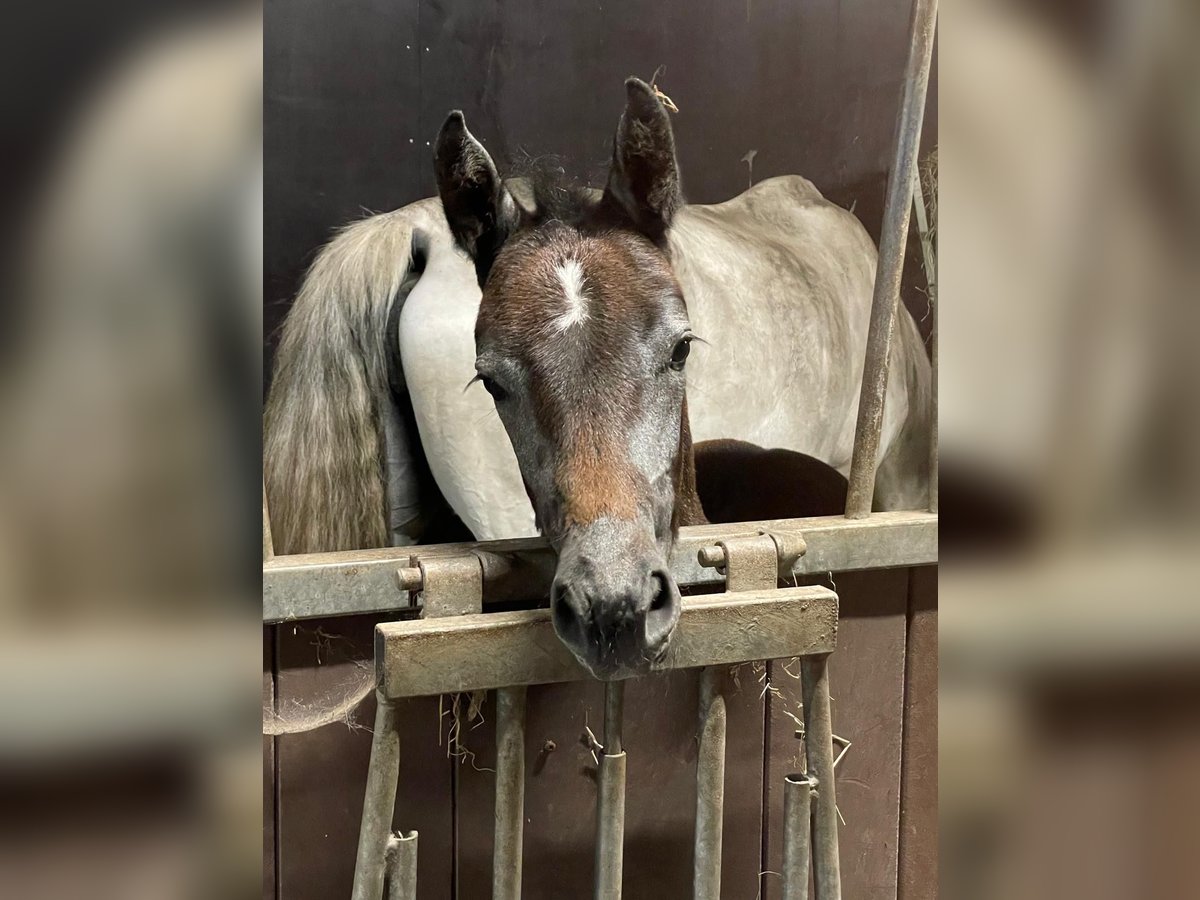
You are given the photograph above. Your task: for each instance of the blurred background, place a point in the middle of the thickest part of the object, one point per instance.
(132, 260)
(1069, 630)
(130, 649)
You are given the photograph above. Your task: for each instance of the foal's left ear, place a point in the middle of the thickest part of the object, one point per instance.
(644, 179)
(479, 209)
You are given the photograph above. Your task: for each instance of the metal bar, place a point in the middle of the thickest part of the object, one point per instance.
(933, 419)
(402, 866)
(818, 746)
(468, 653)
(710, 787)
(366, 581)
(929, 257)
(614, 716)
(797, 815)
(379, 805)
(610, 799)
(886, 295)
(510, 793)
(610, 826)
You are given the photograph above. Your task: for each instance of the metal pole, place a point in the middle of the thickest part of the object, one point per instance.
(797, 813)
(379, 804)
(818, 746)
(929, 257)
(891, 261)
(933, 417)
(610, 801)
(510, 793)
(614, 716)
(402, 866)
(710, 787)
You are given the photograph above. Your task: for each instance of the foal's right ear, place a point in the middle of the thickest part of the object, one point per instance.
(479, 209)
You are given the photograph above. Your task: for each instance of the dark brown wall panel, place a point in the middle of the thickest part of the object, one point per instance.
(918, 878)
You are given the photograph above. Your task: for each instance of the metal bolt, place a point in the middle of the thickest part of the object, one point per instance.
(711, 557)
(409, 578)
(549, 747)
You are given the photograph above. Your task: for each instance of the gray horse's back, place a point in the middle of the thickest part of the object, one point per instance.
(779, 280)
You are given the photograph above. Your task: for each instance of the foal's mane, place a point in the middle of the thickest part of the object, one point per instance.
(547, 193)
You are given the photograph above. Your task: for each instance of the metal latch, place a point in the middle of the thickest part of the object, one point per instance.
(444, 585)
(754, 562)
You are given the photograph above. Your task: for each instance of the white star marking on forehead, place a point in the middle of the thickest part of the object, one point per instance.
(570, 274)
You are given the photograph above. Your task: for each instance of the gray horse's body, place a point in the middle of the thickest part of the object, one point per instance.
(777, 282)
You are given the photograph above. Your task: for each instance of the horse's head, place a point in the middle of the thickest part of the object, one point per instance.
(581, 339)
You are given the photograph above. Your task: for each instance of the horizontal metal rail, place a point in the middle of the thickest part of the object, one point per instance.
(468, 653)
(365, 581)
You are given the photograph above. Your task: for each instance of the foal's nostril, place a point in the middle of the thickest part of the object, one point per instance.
(565, 616)
(662, 594)
(663, 612)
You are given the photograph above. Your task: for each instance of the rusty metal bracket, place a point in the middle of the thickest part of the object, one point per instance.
(754, 562)
(446, 585)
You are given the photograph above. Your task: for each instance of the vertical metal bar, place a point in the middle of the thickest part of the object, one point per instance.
(797, 814)
(268, 542)
(510, 793)
(929, 257)
(610, 801)
(710, 787)
(614, 716)
(891, 261)
(379, 804)
(818, 745)
(402, 866)
(933, 415)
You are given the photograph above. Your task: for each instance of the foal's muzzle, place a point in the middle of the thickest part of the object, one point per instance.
(613, 602)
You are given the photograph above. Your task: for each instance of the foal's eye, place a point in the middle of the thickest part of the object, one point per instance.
(498, 393)
(680, 354)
